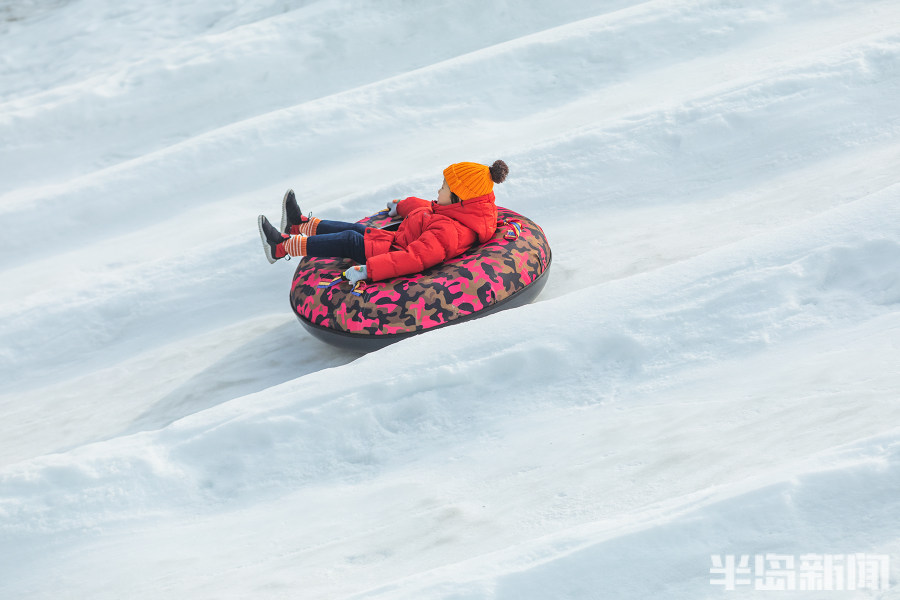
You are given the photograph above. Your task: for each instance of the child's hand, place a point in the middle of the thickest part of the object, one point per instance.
(357, 273)
(392, 208)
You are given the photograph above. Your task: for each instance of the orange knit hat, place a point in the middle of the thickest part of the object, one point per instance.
(470, 180)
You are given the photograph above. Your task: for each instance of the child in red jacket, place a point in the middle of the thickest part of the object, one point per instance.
(431, 232)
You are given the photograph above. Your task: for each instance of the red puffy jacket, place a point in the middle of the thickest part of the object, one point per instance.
(429, 234)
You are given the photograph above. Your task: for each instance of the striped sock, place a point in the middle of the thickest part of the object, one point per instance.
(295, 245)
(307, 227)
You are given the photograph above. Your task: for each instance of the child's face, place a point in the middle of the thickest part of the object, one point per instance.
(444, 194)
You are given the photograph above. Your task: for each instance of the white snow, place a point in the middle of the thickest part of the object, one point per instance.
(711, 370)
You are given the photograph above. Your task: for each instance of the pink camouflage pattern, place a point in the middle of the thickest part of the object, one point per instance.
(477, 279)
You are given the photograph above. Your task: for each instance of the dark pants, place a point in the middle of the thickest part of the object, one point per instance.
(338, 239)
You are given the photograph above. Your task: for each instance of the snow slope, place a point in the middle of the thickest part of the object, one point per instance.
(712, 368)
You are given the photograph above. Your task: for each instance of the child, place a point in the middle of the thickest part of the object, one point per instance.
(431, 232)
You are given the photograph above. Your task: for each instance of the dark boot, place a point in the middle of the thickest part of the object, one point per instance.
(291, 217)
(272, 239)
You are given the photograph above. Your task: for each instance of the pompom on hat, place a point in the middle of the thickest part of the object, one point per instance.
(471, 180)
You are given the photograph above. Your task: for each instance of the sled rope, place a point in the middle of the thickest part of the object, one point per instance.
(514, 229)
(331, 282)
(357, 290)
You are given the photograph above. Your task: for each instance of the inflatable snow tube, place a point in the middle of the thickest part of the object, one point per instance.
(507, 271)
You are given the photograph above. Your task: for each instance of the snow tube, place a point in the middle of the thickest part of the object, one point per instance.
(507, 271)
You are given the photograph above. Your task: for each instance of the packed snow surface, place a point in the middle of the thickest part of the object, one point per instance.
(712, 370)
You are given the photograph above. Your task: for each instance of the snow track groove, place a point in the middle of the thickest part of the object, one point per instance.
(578, 70)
